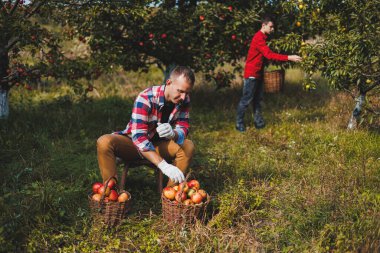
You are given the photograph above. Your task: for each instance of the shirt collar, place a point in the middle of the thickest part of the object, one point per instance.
(264, 35)
(161, 98)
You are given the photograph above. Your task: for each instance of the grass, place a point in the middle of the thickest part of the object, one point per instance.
(302, 184)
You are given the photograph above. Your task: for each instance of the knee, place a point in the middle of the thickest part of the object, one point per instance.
(103, 142)
(188, 148)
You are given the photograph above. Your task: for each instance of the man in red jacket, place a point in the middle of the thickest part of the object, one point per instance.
(253, 74)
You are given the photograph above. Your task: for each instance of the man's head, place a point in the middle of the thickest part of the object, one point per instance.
(267, 25)
(179, 84)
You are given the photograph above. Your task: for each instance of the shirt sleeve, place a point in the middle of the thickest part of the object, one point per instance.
(267, 53)
(139, 123)
(182, 123)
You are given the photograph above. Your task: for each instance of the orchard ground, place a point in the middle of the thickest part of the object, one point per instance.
(303, 183)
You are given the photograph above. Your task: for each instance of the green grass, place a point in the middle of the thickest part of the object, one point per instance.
(302, 184)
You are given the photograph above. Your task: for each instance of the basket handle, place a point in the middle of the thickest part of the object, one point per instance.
(184, 182)
(105, 188)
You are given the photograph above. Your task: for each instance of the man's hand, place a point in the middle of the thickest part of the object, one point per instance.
(165, 130)
(171, 171)
(294, 58)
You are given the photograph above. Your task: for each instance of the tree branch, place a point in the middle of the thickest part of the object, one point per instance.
(17, 75)
(371, 87)
(14, 7)
(39, 4)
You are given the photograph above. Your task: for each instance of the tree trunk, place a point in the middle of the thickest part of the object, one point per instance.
(4, 88)
(4, 106)
(355, 117)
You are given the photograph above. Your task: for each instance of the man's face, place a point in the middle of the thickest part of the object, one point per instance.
(268, 28)
(177, 89)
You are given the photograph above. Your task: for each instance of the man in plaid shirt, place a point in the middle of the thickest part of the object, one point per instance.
(157, 130)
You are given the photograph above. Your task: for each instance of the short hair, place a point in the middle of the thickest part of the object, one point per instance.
(187, 73)
(266, 19)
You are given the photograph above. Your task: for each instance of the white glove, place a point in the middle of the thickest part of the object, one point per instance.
(171, 171)
(165, 130)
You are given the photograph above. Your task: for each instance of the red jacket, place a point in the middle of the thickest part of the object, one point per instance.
(257, 50)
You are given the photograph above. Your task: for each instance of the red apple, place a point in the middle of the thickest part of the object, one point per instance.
(104, 190)
(112, 182)
(233, 37)
(203, 193)
(113, 195)
(169, 193)
(196, 198)
(230, 8)
(201, 18)
(180, 197)
(151, 35)
(91, 88)
(96, 197)
(123, 197)
(193, 184)
(163, 36)
(141, 43)
(183, 186)
(96, 186)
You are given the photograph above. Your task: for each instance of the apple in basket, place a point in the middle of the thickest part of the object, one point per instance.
(203, 193)
(187, 202)
(111, 183)
(105, 190)
(123, 197)
(113, 195)
(191, 192)
(96, 197)
(196, 198)
(180, 197)
(96, 186)
(194, 184)
(183, 186)
(169, 193)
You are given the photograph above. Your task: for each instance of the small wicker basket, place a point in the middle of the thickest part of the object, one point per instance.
(274, 81)
(178, 214)
(182, 215)
(110, 213)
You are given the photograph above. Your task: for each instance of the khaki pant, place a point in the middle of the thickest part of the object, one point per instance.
(110, 146)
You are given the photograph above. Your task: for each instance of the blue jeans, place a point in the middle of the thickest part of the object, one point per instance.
(252, 91)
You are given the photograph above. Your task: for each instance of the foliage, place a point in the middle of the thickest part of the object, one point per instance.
(135, 36)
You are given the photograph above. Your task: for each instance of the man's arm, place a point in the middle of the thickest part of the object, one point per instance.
(267, 53)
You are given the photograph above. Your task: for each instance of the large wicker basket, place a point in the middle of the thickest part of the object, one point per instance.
(110, 213)
(179, 214)
(274, 81)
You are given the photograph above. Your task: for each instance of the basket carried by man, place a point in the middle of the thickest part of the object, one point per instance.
(274, 81)
(107, 205)
(184, 204)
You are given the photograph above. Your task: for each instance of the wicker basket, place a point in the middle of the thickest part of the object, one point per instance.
(274, 81)
(182, 215)
(110, 213)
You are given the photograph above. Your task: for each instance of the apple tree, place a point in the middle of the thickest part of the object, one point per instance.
(200, 34)
(339, 39)
(29, 50)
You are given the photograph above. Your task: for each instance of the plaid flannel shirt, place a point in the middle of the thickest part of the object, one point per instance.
(147, 112)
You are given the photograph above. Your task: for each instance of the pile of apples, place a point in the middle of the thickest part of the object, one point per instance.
(110, 192)
(191, 193)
